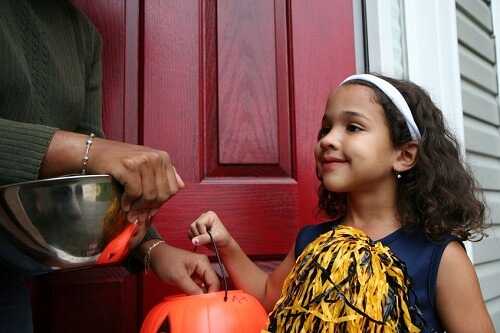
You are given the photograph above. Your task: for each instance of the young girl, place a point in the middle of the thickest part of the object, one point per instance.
(401, 203)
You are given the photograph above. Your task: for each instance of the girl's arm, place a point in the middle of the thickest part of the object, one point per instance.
(243, 272)
(459, 301)
(266, 287)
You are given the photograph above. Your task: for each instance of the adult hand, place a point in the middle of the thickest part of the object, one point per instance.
(191, 272)
(147, 175)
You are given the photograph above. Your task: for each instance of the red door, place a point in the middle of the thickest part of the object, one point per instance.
(234, 91)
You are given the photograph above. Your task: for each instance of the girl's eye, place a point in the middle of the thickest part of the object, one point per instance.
(353, 128)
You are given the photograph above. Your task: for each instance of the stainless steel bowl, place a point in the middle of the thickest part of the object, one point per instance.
(63, 222)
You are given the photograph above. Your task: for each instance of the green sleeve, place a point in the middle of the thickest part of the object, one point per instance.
(91, 119)
(22, 149)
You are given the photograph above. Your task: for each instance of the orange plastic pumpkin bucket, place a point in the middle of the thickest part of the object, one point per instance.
(241, 313)
(221, 312)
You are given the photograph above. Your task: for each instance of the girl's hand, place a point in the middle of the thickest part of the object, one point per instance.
(209, 221)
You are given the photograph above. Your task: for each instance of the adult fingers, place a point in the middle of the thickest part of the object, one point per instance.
(172, 184)
(162, 180)
(187, 285)
(132, 188)
(205, 270)
(149, 195)
(180, 182)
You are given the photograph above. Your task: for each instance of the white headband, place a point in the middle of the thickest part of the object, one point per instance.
(395, 96)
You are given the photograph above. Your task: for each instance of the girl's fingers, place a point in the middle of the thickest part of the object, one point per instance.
(201, 226)
(203, 239)
(194, 230)
(198, 225)
(198, 230)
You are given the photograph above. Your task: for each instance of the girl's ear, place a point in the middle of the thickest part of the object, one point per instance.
(406, 156)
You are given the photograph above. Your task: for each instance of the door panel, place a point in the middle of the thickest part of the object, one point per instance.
(251, 93)
(247, 94)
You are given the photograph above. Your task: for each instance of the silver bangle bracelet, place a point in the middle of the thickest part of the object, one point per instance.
(147, 257)
(85, 159)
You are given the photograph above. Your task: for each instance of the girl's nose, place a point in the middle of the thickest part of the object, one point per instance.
(330, 141)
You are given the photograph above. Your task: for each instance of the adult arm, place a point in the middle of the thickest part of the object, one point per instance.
(22, 149)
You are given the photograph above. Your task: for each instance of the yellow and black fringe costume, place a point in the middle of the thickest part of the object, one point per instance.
(344, 282)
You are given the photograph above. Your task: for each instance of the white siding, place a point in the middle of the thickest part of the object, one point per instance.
(479, 76)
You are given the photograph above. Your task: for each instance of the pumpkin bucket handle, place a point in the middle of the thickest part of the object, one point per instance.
(221, 266)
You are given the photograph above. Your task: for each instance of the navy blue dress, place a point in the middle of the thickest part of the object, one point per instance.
(421, 256)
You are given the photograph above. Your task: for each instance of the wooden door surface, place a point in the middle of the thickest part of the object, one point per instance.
(234, 90)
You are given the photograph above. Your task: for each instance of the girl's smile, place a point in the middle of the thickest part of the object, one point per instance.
(329, 162)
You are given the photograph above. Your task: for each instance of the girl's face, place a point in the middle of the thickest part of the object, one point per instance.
(354, 151)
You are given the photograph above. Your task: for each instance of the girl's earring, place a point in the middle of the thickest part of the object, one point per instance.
(398, 175)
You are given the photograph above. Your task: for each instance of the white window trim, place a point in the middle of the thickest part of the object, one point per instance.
(380, 37)
(432, 51)
(433, 63)
(359, 47)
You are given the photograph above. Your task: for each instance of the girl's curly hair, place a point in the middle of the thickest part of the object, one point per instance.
(439, 193)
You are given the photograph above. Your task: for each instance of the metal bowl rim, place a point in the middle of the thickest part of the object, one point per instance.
(64, 179)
